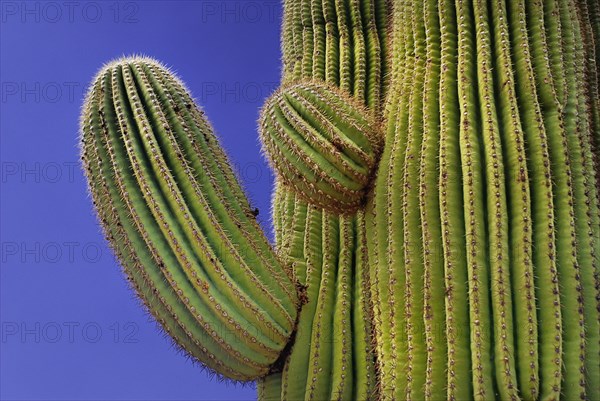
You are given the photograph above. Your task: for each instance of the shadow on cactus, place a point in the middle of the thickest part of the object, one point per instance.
(436, 207)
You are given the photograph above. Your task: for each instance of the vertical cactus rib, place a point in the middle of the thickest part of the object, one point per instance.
(383, 12)
(522, 348)
(429, 201)
(453, 227)
(296, 369)
(320, 48)
(586, 210)
(296, 252)
(359, 64)
(288, 49)
(374, 64)
(342, 372)
(287, 198)
(332, 43)
(388, 257)
(588, 13)
(307, 44)
(363, 361)
(413, 247)
(594, 21)
(345, 45)
(295, 13)
(591, 141)
(320, 367)
(569, 271)
(480, 250)
(277, 212)
(539, 112)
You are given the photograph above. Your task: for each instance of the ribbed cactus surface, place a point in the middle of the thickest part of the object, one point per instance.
(436, 209)
(323, 143)
(180, 224)
(484, 217)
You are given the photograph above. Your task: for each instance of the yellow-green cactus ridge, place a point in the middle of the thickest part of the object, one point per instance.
(436, 206)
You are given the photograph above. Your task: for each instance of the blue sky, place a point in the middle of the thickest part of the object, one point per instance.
(70, 327)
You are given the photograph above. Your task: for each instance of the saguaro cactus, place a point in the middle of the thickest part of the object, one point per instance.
(436, 208)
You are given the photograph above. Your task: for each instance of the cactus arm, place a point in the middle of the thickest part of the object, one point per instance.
(192, 250)
(170, 257)
(232, 214)
(202, 221)
(144, 149)
(129, 246)
(321, 144)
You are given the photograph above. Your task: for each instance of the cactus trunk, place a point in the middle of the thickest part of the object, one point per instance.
(490, 135)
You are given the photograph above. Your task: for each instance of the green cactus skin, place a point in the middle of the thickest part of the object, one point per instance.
(464, 264)
(180, 224)
(322, 143)
(490, 133)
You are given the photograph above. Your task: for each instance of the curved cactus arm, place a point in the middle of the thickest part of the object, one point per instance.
(180, 223)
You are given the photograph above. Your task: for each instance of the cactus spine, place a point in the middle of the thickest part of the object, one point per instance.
(450, 252)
